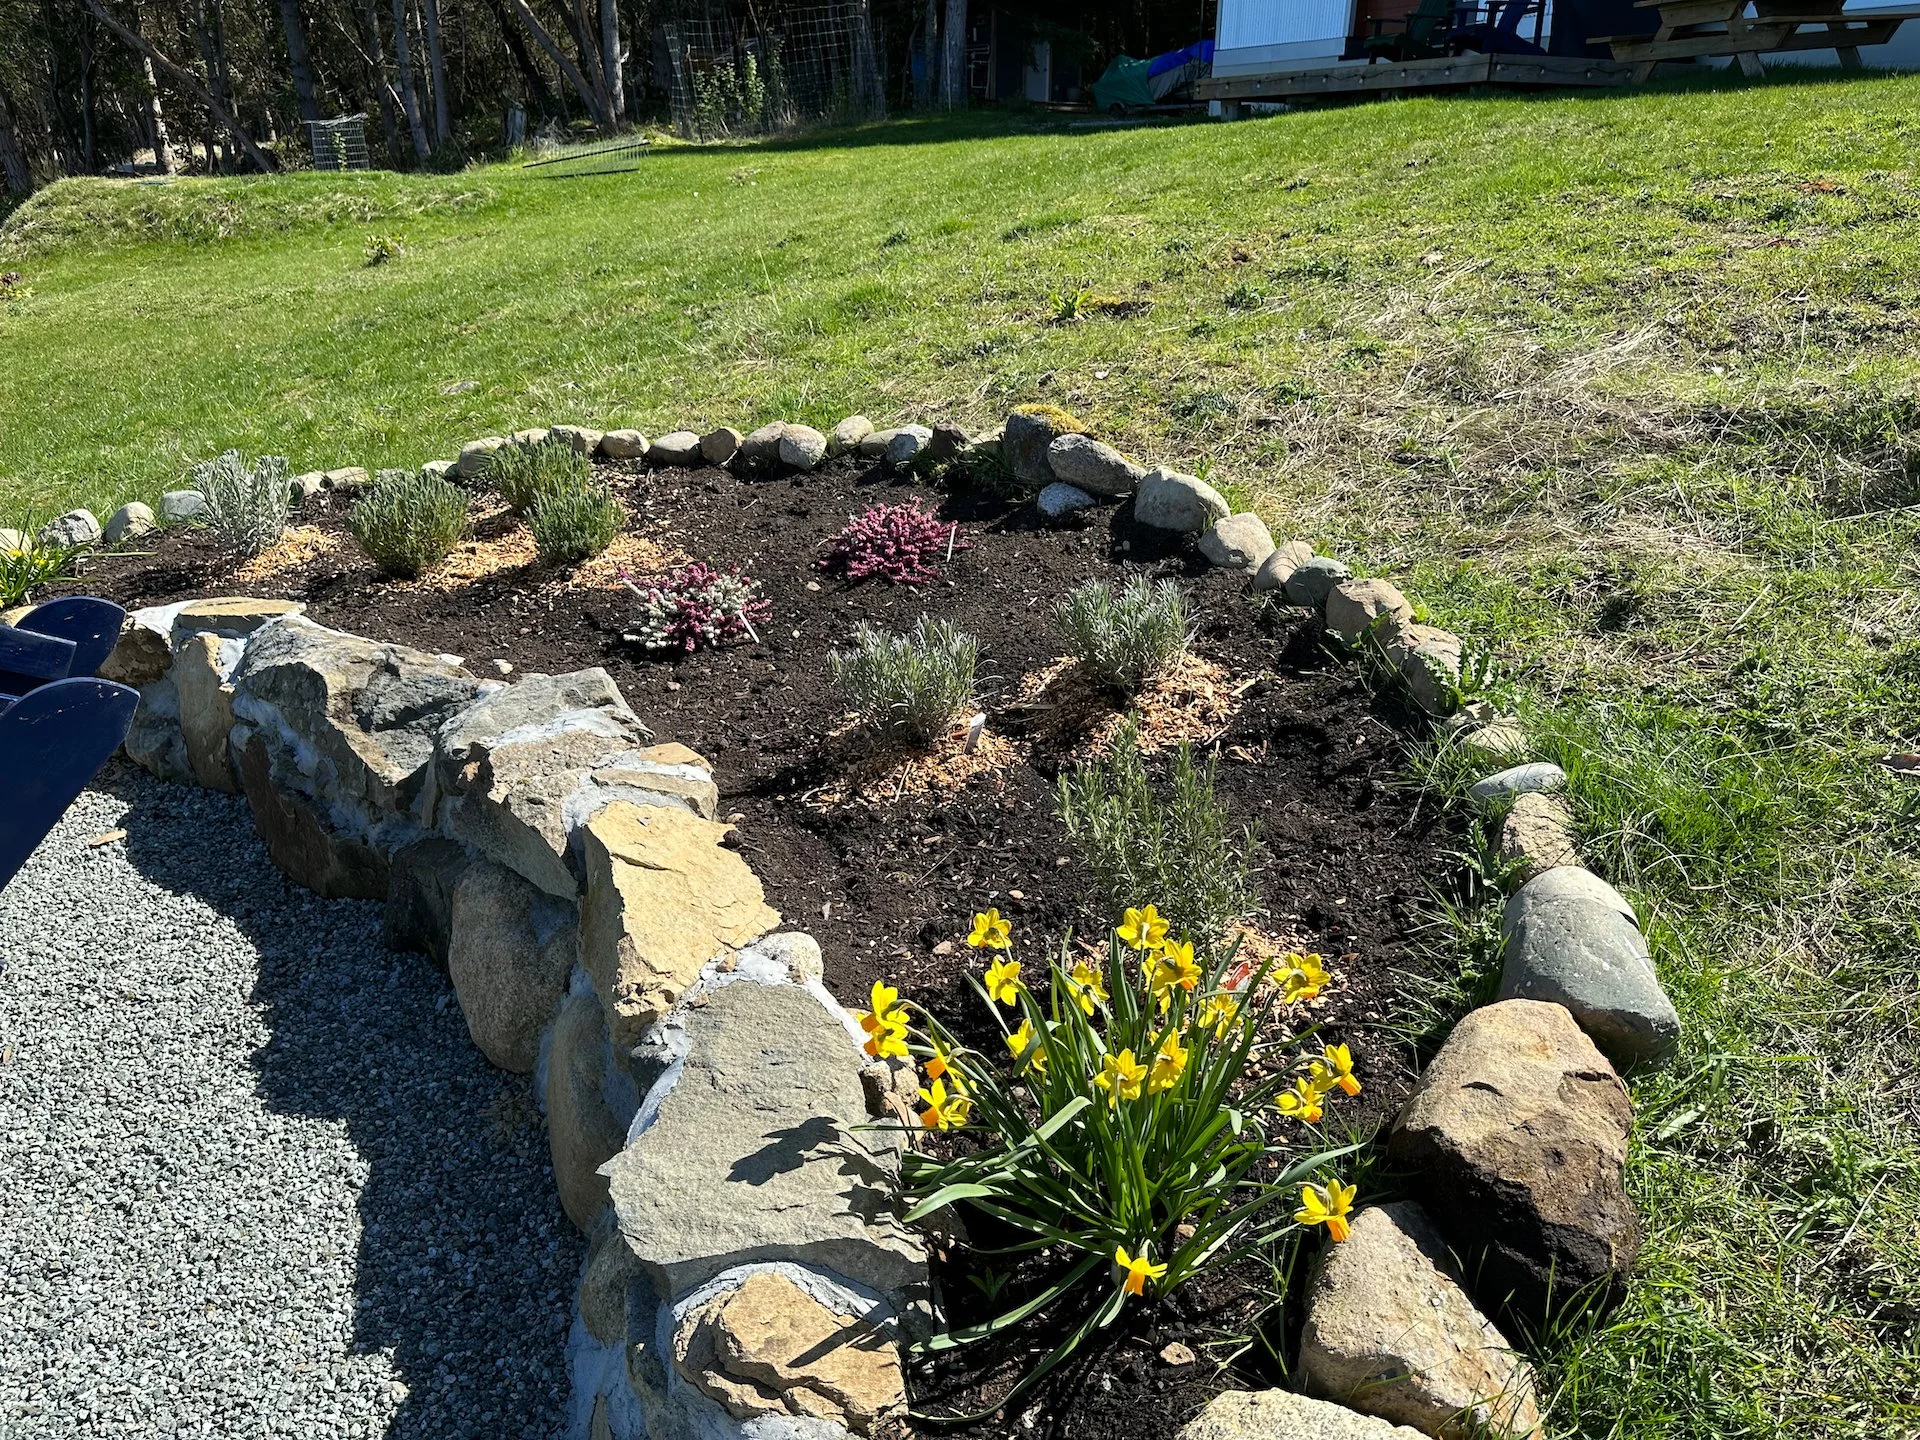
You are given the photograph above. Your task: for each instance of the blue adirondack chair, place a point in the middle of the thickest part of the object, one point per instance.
(58, 723)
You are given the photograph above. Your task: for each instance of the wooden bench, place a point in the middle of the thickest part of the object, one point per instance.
(58, 723)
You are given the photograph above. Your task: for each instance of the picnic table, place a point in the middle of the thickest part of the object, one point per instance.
(1692, 29)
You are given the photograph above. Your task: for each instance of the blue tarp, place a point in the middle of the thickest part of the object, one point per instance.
(1129, 82)
(1200, 52)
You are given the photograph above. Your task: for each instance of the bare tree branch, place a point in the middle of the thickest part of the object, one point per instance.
(589, 94)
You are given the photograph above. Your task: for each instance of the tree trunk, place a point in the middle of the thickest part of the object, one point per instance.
(953, 74)
(218, 72)
(586, 41)
(163, 155)
(538, 94)
(382, 87)
(611, 59)
(13, 165)
(403, 65)
(929, 85)
(187, 81)
(589, 94)
(299, 60)
(210, 134)
(437, 72)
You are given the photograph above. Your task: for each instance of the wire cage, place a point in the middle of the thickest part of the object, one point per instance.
(766, 71)
(339, 144)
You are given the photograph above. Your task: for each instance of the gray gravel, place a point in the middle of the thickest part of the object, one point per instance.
(254, 1177)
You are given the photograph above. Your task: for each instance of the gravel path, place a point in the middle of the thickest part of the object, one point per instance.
(254, 1177)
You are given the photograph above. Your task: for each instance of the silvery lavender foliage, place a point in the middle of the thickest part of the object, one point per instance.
(698, 608)
(246, 505)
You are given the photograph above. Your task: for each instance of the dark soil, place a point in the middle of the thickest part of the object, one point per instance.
(889, 885)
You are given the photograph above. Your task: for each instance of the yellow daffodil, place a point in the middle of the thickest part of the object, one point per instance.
(940, 1063)
(1326, 1206)
(1025, 1045)
(1142, 929)
(1174, 965)
(944, 1111)
(1302, 1102)
(1003, 981)
(1086, 986)
(1136, 1270)
(1218, 1014)
(1334, 1071)
(885, 1024)
(1168, 1065)
(1121, 1077)
(990, 931)
(1304, 977)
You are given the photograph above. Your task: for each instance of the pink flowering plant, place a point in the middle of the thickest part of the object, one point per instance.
(696, 608)
(900, 543)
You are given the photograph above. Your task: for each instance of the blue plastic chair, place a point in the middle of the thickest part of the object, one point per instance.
(58, 724)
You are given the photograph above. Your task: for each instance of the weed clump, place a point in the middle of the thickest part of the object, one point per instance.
(521, 472)
(574, 518)
(899, 543)
(697, 608)
(1179, 844)
(1125, 638)
(408, 521)
(246, 505)
(908, 686)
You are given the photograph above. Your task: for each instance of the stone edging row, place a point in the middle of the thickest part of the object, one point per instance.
(704, 1092)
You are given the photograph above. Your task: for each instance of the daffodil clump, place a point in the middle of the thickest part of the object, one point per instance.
(1120, 1126)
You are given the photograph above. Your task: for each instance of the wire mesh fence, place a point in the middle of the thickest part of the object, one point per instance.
(758, 74)
(339, 144)
(605, 157)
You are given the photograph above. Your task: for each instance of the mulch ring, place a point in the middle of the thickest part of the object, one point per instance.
(886, 858)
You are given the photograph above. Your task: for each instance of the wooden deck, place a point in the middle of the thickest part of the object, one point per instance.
(1440, 73)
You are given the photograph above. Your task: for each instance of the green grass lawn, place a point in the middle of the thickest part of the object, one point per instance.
(1623, 387)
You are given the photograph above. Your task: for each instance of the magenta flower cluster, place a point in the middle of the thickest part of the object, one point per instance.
(697, 608)
(899, 542)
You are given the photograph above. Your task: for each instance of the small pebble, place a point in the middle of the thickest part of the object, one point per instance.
(1177, 1355)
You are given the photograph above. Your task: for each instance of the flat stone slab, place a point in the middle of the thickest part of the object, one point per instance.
(746, 1151)
(1572, 939)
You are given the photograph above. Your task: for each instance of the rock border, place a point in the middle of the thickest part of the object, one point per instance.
(570, 876)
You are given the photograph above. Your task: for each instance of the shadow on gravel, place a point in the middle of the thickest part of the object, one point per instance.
(466, 1263)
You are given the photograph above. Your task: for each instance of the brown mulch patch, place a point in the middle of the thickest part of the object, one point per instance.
(884, 857)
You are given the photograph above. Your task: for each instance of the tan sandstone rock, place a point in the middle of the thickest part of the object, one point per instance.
(663, 898)
(1283, 1415)
(1538, 834)
(770, 1348)
(231, 615)
(1517, 1139)
(200, 673)
(1390, 1332)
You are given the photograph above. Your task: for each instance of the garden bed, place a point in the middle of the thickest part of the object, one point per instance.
(885, 858)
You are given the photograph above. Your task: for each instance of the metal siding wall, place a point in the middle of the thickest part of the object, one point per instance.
(1246, 24)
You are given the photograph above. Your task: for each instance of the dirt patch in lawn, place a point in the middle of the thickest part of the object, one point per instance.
(885, 859)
